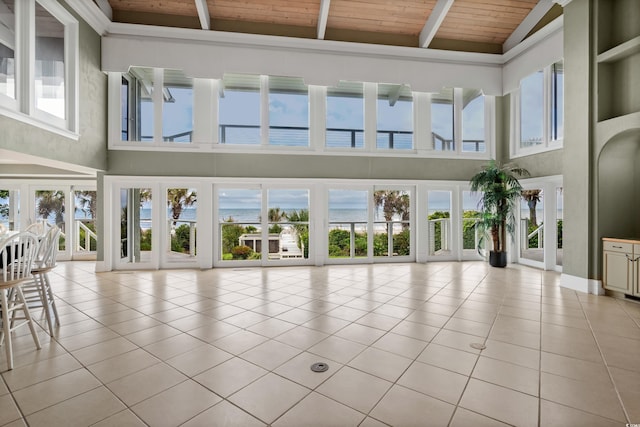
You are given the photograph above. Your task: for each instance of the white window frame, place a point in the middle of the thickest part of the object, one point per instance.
(206, 123)
(548, 144)
(23, 107)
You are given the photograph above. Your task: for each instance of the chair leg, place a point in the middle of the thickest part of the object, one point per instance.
(44, 299)
(6, 331)
(51, 298)
(27, 315)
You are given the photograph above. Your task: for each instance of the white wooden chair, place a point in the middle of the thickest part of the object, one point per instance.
(38, 292)
(16, 256)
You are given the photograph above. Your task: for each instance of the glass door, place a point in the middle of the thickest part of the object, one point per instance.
(239, 227)
(180, 220)
(49, 209)
(439, 220)
(288, 224)
(532, 225)
(10, 208)
(348, 226)
(85, 211)
(136, 234)
(392, 237)
(473, 247)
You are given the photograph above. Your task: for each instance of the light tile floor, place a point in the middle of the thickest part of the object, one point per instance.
(233, 347)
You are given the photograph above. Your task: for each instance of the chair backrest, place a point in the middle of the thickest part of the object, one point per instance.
(48, 250)
(17, 254)
(39, 228)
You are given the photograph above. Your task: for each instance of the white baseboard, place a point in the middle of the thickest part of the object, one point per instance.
(581, 284)
(101, 267)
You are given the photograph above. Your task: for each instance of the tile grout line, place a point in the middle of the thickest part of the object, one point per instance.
(615, 386)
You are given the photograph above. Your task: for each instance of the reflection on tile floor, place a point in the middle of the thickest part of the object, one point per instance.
(228, 347)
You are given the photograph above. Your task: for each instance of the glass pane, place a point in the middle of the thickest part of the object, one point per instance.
(7, 49)
(531, 226)
(345, 115)
(557, 100)
(395, 117)
(560, 223)
(84, 218)
(392, 232)
(10, 209)
(439, 208)
(473, 121)
(49, 63)
(177, 107)
(288, 112)
(288, 215)
(239, 109)
(240, 225)
(50, 208)
(141, 109)
(531, 110)
(470, 215)
(442, 129)
(125, 113)
(182, 220)
(135, 224)
(348, 218)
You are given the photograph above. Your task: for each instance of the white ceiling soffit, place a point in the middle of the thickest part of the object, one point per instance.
(20, 164)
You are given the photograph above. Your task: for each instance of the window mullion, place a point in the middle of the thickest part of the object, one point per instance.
(370, 93)
(264, 110)
(317, 117)
(458, 102)
(546, 103)
(422, 121)
(157, 97)
(25, 55)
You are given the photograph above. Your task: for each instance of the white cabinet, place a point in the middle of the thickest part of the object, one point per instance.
(621, 259)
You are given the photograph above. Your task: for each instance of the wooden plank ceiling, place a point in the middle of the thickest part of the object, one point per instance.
(469, 25)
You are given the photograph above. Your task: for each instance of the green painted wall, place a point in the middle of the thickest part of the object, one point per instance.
(288, 166)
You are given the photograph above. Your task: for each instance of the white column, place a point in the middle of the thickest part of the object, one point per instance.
(422, 122)
(205, 112)
(317, 117)
(264, 110)
(157, 98)
(370, 93)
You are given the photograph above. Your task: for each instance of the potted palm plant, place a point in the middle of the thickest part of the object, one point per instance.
(500, 190)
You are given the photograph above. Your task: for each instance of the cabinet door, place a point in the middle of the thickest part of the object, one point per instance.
(618, 271)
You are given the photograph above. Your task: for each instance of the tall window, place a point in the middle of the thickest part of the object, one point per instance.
(540, 110)
(7, 49)
(239, 109)
(442, 124)
(532, 110)
(177, 107)
(49, 64)
(473, 131)
(345, 115)
(395, 117)
(288, 112)
(557, 101)
(137, 105)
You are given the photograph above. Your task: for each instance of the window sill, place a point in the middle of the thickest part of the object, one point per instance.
(556, 145)
(41, 124)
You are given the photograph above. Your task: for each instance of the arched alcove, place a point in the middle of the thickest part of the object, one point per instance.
(619, 186)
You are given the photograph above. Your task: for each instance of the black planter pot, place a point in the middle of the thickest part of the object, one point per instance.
(498, 259)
